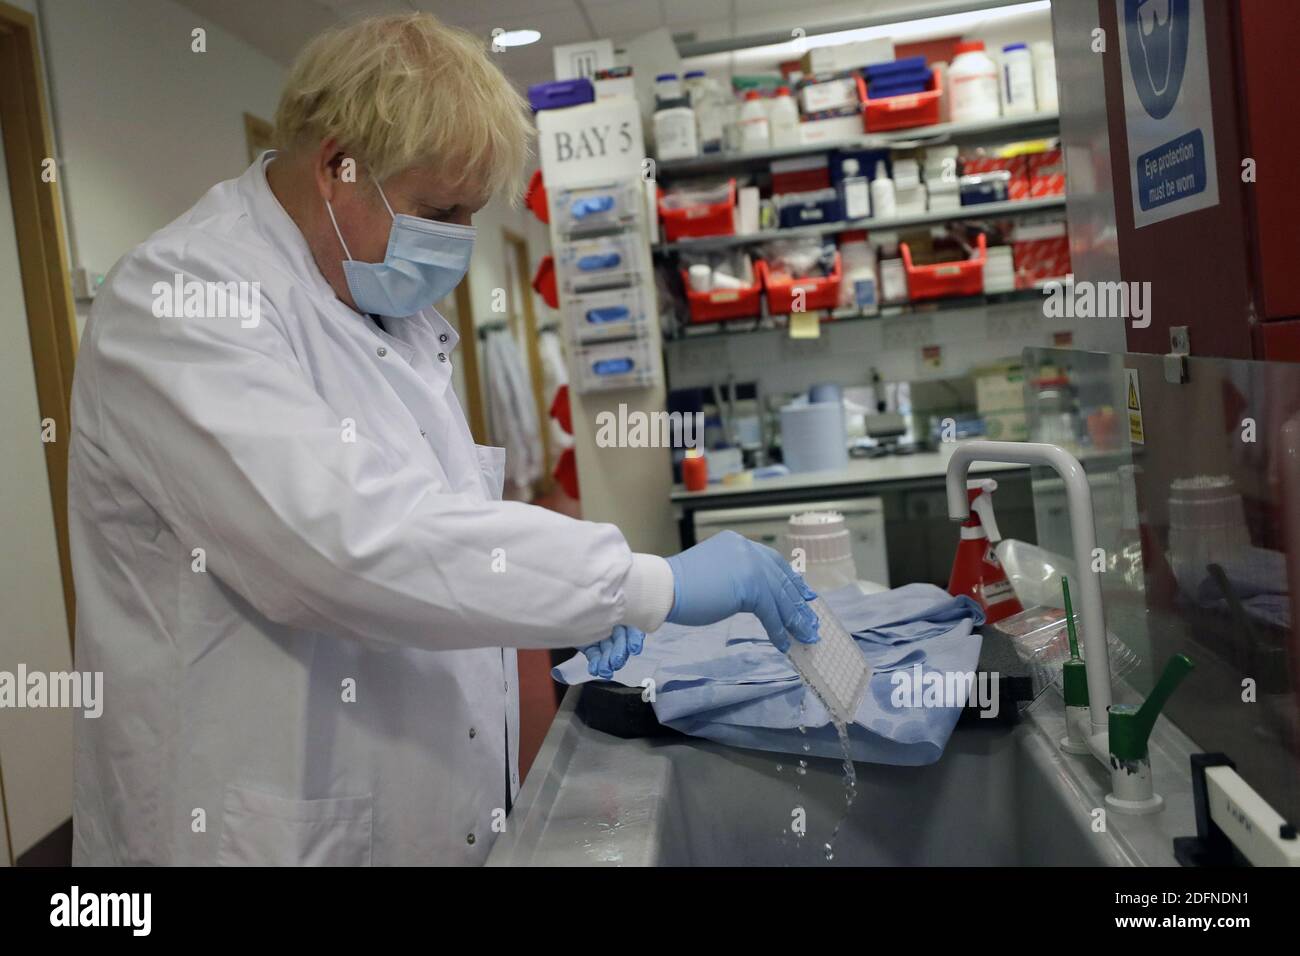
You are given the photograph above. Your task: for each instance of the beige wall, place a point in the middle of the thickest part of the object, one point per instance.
(143, 127)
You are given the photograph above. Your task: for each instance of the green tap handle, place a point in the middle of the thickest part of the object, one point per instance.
(1130, 728)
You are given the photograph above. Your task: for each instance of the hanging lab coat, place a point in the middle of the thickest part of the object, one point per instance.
(294, 573)
(512, 409)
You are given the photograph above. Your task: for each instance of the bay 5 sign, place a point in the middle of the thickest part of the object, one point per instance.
(1155, 33)
(1167, 115)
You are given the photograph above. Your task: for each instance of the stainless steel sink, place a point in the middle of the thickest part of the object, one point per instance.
(998, 797)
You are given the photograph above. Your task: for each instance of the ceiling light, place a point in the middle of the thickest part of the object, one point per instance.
(516, 37)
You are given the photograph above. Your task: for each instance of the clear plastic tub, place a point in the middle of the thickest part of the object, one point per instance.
(597, 207)
(625, 364)
(596, 262)
(608, 314)
(1042, 643)
(834, 668)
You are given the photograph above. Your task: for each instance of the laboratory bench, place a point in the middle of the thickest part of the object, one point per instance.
(895, 508)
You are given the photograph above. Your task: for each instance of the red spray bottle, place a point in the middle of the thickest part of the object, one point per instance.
(976, 570)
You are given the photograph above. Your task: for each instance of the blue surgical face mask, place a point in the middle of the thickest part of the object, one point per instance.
(425, 260)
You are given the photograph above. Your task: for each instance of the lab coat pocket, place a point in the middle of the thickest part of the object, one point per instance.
(492, 465)
(258, 829)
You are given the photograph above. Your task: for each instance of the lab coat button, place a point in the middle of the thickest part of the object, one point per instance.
(472, 733)
(469, 838)
(443, 337)
(442, 356)
(381, 351)
(422, 433)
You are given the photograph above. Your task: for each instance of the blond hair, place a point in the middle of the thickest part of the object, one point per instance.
(405, 90)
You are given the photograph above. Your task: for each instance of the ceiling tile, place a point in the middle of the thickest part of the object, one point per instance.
(687, 13)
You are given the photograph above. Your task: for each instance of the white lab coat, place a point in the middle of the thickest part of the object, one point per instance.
(324, 681)
(512, 409)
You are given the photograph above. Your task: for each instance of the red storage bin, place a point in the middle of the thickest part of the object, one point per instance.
(708, 219)
(718, 305)
(819, 292)
(901, 112)
(944, 279)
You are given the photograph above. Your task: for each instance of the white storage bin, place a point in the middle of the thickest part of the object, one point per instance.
(597, 262)
(625, 364)
(608, 314)
(596, 207)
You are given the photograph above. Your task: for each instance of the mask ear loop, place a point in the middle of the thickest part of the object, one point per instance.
(330, 210)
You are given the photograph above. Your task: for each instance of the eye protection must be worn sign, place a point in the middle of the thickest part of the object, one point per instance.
(1167, 108)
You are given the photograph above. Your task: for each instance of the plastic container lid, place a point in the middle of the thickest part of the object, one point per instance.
(783, 91)
(753, 95)
(853, 235)
(692, 74)
(665, 76)
(970, 46)
(1014, 46)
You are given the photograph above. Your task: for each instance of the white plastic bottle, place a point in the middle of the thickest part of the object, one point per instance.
(883, 201)
(667, 88)
(1017, 80)
(675, 133)
(973, 84)
(1045, 75)
(783, 114)
(855, 193)
(702, 91)
(755, 132)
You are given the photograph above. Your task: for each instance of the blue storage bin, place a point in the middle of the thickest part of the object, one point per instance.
(561, 93)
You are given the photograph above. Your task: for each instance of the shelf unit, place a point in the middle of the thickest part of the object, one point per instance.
(1029, 126)
(988, 210)
(928, 307)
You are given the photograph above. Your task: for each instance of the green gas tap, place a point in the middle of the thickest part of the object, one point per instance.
(1130, 727)
(1130, 730)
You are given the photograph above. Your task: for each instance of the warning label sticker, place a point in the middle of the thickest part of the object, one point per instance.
(1135, 433)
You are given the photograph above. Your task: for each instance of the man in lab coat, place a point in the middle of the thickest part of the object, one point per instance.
(292, 563)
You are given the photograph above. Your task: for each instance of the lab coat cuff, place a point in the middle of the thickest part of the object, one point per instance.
(648, 592)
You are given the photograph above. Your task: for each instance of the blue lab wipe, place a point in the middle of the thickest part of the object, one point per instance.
(591, 205)
(598, 261)
(728, 683)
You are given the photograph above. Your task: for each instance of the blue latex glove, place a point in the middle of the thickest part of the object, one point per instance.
(605, 657)
(727, 574)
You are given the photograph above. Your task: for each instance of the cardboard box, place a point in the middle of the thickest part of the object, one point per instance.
(847, 56)
(838, 129)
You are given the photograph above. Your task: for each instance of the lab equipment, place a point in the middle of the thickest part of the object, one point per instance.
(882, 194)
(728, 574)
(1016, 85)
(754, 125)
(770, 524)
(973, 84)
(1044, 75)
(676, 136)
(813, 437)
(833, 667)
(822, 541)
(783, 115)
(855, 191)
